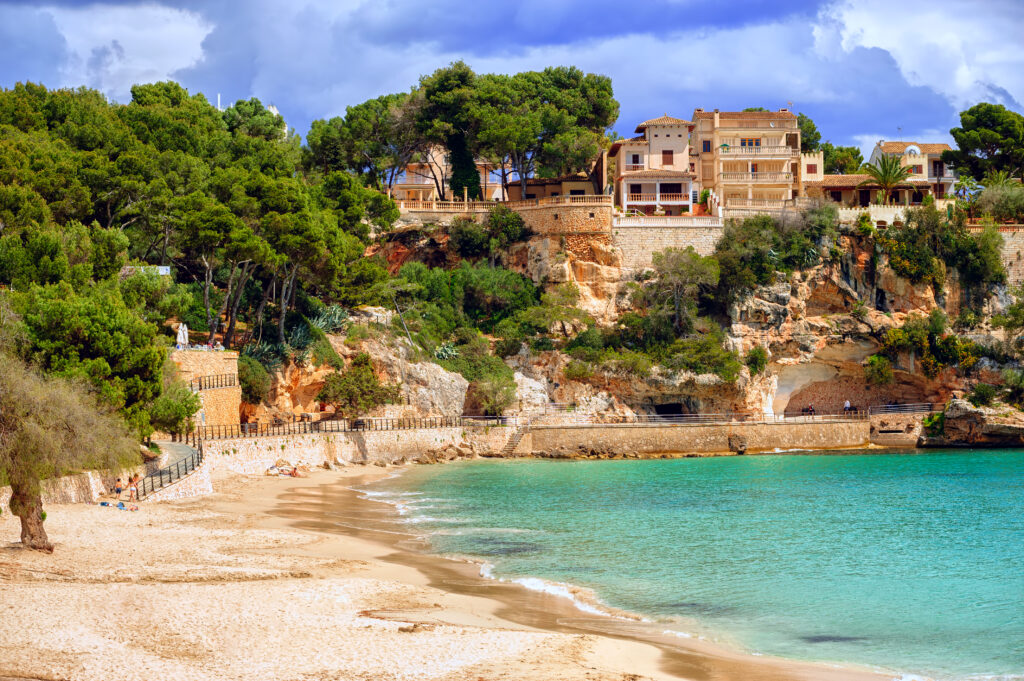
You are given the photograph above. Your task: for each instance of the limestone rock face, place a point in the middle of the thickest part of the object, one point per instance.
(531, 393)
(966, 424)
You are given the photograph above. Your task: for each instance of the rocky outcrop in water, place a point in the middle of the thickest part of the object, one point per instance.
(963, 424)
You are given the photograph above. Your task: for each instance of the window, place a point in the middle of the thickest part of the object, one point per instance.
(671, 188)
(531, 196)
(812, 168)
(917, 170)
(837, 195)
(750, 141)
(753, 167)
(706, 146)
(692, 168)
(577, 192)
(636, 159)
(666, 157)
(554, 193)
(634, 189)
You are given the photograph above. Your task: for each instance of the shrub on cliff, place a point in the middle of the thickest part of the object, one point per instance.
(982, 394)
(757, 360)
(1003, 202)
(702, 354)
(254, 379)
(468, 239)
(878, 370)
(357, 390)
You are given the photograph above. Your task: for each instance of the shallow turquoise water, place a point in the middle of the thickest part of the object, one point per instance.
(912, 562)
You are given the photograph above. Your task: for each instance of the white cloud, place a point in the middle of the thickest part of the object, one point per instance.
(965, 50)
(112, 47)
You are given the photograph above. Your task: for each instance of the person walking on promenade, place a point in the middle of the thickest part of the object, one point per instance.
(846, 405)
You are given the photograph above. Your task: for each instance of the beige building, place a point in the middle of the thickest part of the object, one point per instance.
(751, 159)
(579, 184)
(653, 171)
(925, 163)
(426, 179)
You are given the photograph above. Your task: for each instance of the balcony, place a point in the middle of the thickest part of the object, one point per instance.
(756, 177)
(758, 151)
(632, 167)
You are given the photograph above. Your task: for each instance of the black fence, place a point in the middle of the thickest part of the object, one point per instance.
(176, 471)
(216, 381)
(238, 430)
(914, 408)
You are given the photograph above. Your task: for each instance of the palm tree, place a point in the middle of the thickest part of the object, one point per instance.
(997, 178)
(888, 174)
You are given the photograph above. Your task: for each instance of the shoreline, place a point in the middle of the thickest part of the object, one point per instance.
(677, 654)
(284, 578)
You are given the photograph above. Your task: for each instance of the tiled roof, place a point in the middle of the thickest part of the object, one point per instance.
(853, 180)
(756, 115)
(662, 120)
(900, 147)
(656, 173)
(543, 181)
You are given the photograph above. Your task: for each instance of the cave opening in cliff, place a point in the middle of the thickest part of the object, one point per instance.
(670, 409)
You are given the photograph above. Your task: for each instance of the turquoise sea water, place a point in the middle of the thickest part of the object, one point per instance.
(911, 562)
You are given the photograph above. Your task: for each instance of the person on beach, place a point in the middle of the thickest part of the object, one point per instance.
(118, 487)
(133, 488)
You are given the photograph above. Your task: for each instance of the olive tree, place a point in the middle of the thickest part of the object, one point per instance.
(49, 427)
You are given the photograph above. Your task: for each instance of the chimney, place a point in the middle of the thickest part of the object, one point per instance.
(698, 110)
(783, 110)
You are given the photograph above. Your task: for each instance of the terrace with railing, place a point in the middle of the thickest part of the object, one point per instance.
(485, 206)
(758, 151)
(756, 177)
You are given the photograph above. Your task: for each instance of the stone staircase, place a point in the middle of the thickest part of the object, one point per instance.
(513, 441)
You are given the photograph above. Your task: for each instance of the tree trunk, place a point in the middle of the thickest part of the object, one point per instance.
(229, 333)
(29, 508)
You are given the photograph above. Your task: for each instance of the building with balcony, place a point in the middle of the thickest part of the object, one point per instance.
(578, 184)
(925, 163)
(426, 179)
(653, 171)
(858, 191)
(750, 159)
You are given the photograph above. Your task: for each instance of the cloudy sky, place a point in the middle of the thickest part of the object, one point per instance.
(863, 70)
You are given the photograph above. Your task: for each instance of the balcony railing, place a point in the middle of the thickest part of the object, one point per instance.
(758, 151)
(674, 198)
(756, 177)
(632, 167)
(756, 203)
(640, 198)
(667, 221)
(726, 124)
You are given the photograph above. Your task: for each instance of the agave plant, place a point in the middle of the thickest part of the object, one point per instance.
(330, 319)
(446, 351)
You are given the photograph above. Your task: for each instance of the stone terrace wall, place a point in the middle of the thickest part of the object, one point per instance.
(196, 363)
(1013, 255)
(665, 439)
(567, 219)
(637, 244)
(221, 406)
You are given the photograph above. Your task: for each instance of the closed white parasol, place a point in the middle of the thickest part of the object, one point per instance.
(183, 335)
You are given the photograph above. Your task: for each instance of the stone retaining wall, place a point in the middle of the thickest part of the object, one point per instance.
(567, 219)
(195, 484)
(83, 488)
(637, 244)
(675, 439)
(253, 456)
(908, 427)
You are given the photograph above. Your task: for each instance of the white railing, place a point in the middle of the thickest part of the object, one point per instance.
(757, 203)
(674, 198)
(639, 198)
(887, 214)
(667, 221)
(727, 124)
(756, 177)
(632, 167)
(758, 151)
(484, 206)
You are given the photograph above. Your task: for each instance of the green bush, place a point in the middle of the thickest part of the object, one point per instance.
(357, 390)
(982, 394)
(757, 360)
(469, 239)
(254, 379)
(864, 226)
(702, 354)
(578, 371)
(935, 424)
(859, 310)
(1003, 202)
(878, 370)
(705, 195)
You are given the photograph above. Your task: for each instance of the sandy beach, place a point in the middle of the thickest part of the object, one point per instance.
(281, 578)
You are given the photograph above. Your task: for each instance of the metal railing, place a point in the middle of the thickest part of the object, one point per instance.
(176, 471)
(760, 176)
(766, 150)
(556, 418)
(215, 381)
(914, 408)
(243, 430)
(667, 221)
